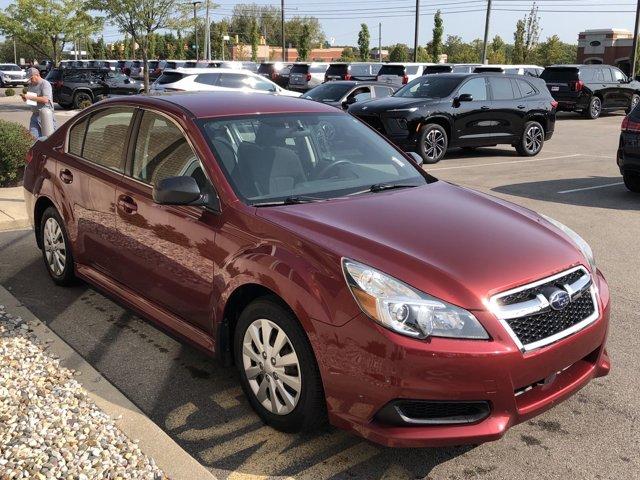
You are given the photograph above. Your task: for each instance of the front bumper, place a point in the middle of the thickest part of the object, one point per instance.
(365, 367)
(15, 81)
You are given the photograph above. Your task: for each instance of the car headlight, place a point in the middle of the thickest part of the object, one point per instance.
(577, 240)
(405, 310)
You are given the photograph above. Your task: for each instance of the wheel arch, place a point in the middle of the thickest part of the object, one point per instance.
(41, 205)
(441, 120)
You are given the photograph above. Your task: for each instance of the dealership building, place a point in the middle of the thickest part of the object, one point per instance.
(611, 46)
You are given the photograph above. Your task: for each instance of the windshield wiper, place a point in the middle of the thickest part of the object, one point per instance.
(292, 200)
(379, 187)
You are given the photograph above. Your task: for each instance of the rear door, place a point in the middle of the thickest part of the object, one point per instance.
(88, 174)
(508, 113)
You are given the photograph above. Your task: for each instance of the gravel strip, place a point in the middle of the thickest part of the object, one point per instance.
(49, 428)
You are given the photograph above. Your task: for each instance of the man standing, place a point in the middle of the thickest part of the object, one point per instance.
(44, 99)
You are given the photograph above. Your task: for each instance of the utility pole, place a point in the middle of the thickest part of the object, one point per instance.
(15, 54)
(415, 38)
(634, 46)
(486, 33)
(195, 27)
(284, 48)
(207, 34)
(380, 41)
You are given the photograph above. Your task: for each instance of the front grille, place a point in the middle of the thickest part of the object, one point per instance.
(532, 321)
(373, 122)
(425, 412)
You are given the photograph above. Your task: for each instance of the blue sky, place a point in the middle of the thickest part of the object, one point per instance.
(562, 17)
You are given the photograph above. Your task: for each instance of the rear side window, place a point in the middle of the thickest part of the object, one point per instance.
(105, 138)
(207, 78)
(501, 88)
(300, 69)
(170, 77)
(526, 89)
(76, 137)
(233, 80)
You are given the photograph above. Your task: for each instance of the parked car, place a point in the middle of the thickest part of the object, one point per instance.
(74, 87)
(450, 68)
(628, 157)
(342, 93)
(591, 89)
(343, 280)
(362, 71)
(436, 112)
(530, 70)
(275, 71)
(305, 76)
(12, 75)
(208, 79)
(399, 74)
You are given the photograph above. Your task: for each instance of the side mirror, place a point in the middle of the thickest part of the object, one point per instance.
(465, 97)
(416, 157)
(179, 191)
(348, 101)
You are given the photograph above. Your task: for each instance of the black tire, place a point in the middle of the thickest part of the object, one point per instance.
(310, 411)
(594, 110)
(635, 100)
(433, 143)
(632, 182)
(531, 140)
(65, 275)
(80, 99)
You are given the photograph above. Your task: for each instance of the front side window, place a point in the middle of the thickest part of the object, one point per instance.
(618, 76)
(382, 91)
(328, 92)
(476, 87)
(233, 80)
(268, 158)
(207, 78)
(104, 142)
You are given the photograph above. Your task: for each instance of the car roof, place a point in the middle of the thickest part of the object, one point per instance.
(222, 104)
(579, 65)
(195, 70)
(356, 82)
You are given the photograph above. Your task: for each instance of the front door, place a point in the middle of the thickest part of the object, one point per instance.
(624, 94)
(167, 250)
(473, 120)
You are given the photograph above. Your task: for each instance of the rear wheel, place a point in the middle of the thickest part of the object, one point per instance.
(632, 182)
(594, 110)
(278, 369)
(532, 140)
(56, 251)
(82, 100)
(433, 143)
(634, 102)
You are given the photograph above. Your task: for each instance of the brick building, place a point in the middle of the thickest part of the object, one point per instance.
(611, 46)
(271, 53)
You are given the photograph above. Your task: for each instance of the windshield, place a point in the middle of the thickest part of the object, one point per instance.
(432, 86)
(9, 68)
(328, 92)
(269, 158)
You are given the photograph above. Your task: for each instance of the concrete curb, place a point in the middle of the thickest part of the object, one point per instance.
(153, 441)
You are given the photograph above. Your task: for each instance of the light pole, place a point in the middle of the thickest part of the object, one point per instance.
(284, 48)
(486, 32)
(380, 42)
(195, 27)
(207, 34)
(415, 37)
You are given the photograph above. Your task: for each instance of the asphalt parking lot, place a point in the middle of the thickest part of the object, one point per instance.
(593, 435)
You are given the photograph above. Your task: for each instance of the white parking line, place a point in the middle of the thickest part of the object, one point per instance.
(591, 188)
(504, 163)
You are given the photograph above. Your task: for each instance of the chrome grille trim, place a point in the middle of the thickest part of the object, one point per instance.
(575, 290)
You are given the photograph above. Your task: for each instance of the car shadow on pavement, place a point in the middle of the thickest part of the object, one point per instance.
(612, 193)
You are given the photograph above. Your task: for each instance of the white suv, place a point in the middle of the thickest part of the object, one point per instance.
(213, 79)
(11, 74)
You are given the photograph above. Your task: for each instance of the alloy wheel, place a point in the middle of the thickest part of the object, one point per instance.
(533, 139)
(595, 107)
(55, 248)
(434, 144)
(634, 101)
(272, 367)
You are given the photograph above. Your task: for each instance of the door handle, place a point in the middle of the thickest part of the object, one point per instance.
(485, 107)
(521, 107)
(66, 176)
(127, 204)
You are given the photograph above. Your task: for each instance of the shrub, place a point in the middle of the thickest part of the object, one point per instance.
(15, 142)
(9, 92)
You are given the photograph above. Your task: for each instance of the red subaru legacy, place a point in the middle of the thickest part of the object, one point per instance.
(344, 282)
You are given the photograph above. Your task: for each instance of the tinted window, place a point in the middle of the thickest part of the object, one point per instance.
(526, 89)
(382, 91)
(76, 137)
(432, 86)
(337, 69)
(207, 78)
(233, 80)
(266, 68)
(161, 150)
(532, 72)
(437, 69)
(328, 92)
(300, 69)
(54, 74)
(476, 87)
(392, 70)
(412, 69)
(170, 77)
(501, 88)
(105, 139)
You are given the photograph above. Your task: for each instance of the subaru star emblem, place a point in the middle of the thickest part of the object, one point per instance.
(559, 299)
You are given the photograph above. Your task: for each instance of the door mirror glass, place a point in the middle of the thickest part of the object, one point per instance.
(465, 97)
(416, 158)
(178, 191)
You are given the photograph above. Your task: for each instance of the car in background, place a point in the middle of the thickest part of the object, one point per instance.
(399, 74)
(277, 72)
(77, 87)
(436, 112)
(346, 283)
(343, 93)
(591, 89)
(12, 75)
(450, 68)
(305, 76)
(530, 70)
(212, 79)
(362, 71)
(628, 157)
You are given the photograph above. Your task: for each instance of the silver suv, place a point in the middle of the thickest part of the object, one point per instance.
(305, 76)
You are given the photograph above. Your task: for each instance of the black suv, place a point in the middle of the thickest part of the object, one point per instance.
(591, 89)
(435, 112)
(74, 87)
(628, 157)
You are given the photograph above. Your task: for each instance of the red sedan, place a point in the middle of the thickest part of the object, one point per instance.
(344, 282)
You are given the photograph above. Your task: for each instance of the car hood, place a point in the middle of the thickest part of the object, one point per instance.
(453, 243)
(386, 104)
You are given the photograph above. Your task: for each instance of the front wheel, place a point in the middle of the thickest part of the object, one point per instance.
(632, 182)
(634, 103)
(433, 143)
(56, 251)
(532, 140)
(278, 369)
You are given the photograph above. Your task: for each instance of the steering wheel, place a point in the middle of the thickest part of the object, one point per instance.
(325, 170)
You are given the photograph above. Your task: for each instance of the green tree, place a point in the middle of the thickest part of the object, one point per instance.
(531, 33)
(140, 19)
(399, 53)
(304, 43)
(554, 51)
(497, 51)
(255, 40)
(46, 26)
(363, 42)
(348, 55)
(436, 43)
(460, 52)
(518, 54)
(423, 54)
